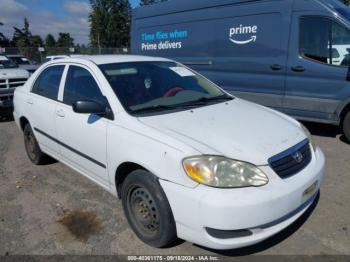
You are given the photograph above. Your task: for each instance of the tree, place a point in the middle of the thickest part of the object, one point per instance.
(150, 2)
(50, 41)
(36, 41)
(4, 42)
(1, 34)
(22, 37)
(119, 25)
(65, 40)
(110, 23)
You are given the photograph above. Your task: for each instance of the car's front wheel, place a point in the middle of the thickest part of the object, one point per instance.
(346, 126)
(147, 209)
(33, 150)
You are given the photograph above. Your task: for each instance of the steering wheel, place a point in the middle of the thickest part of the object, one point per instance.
(173, 91)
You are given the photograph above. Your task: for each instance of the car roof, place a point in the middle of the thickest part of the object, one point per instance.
(169, 7)
(111, 59)
(15, 56)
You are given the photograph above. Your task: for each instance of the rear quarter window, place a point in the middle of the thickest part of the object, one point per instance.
(335, 53)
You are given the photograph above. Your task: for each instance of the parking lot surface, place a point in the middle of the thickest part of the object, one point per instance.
(49, 210)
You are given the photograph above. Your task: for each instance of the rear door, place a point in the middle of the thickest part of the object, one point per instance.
(42, 104)
(317, 76)
(82, 136)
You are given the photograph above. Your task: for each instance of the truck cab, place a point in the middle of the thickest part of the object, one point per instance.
(10, 77)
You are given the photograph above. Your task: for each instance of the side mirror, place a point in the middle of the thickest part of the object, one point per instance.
(89, 107)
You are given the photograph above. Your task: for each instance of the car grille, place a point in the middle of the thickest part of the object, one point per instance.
(6, 98)
(12, 83)
(292, 161)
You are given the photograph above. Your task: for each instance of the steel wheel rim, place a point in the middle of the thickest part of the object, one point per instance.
(143, 210)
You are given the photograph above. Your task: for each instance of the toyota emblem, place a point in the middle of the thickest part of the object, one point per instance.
(298, 157)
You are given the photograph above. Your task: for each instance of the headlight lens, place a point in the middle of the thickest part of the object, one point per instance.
(309, 136)
(222, 172)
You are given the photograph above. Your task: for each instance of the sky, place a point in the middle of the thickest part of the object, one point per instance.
(48, 16)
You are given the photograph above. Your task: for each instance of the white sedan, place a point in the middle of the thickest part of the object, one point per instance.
(187, 159)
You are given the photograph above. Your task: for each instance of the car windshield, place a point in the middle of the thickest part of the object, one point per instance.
(5, 64)
(144, 87)
(19, 60)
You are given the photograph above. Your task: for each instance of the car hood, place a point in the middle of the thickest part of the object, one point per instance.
(13, 73)
(237, 129)
(29, 67)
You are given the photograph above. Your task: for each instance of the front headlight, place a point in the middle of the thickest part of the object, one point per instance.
(222, 172)
(309, 136)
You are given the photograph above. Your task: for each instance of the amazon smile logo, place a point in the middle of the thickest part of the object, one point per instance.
(237, 33)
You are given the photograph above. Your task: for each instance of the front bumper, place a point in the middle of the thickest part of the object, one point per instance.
(264, 211)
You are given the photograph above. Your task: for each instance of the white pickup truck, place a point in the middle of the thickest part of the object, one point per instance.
(10, 77)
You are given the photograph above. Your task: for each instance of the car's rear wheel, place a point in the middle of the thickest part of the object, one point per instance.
(147, 209)
(33, 150)
(346, 125)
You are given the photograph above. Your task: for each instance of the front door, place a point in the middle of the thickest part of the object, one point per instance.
(82, 136)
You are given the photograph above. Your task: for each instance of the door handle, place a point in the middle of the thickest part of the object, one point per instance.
(30, 101)
(60, 113)
(298, 69)
(276, 67)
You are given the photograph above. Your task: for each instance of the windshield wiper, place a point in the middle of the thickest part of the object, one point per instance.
(205, 100)
(200, 101)
(154, 108)
(215, 98)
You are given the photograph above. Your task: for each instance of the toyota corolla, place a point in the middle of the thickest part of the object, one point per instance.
(187, 159)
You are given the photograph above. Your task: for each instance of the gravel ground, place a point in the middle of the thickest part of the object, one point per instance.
(51, 209)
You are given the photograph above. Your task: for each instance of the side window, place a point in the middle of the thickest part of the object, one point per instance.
(335, 53)
(80, 85)
(48, 82)
(341, 42)
(324, 41)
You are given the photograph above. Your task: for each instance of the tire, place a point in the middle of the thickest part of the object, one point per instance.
(346, 126)
(147, 209)
(34, 153)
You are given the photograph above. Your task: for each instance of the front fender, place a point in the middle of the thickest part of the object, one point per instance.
(145, 148)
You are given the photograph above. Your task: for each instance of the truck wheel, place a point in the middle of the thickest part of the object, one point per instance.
(33, 150)
(147, 209)
(346, 126)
